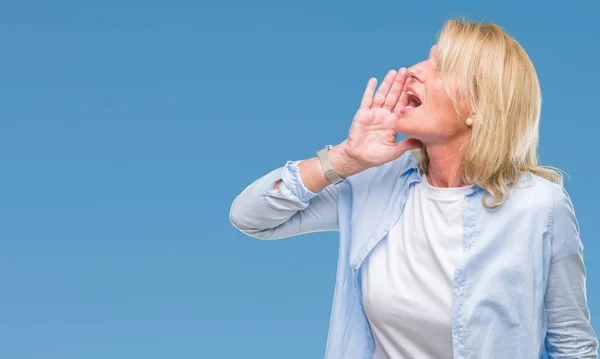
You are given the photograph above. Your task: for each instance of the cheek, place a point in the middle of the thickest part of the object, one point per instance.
(441, 103)
(441, 112)
(442, 107)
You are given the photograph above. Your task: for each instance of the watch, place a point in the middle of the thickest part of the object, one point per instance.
(332, 176)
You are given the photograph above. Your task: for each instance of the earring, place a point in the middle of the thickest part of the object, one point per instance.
(469, 122)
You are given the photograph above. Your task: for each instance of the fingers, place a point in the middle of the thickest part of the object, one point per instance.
(390, 93)
(367, 99)
(402, 101)
(392, 97)
(384, 88)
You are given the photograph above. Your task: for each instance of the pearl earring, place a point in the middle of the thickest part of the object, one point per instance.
(469, 122)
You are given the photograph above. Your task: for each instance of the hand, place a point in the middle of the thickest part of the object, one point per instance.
(372, 139)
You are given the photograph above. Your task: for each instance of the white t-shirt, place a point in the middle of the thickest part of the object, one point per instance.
(407, 278)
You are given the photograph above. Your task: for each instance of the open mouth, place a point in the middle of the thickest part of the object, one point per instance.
(413, 100)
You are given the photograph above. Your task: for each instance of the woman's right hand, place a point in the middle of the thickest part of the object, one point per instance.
(371, 141)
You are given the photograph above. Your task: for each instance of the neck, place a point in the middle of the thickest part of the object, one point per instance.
(445, 160)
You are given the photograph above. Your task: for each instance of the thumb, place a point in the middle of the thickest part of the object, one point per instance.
(407, 144)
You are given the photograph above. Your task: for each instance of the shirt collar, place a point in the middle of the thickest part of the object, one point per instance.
(413, 165)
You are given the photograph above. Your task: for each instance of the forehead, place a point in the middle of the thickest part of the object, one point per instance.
(433, 51)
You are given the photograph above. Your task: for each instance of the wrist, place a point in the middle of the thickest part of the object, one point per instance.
(342, 163)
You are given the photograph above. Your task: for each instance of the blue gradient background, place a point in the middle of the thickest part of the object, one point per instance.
(127, 128)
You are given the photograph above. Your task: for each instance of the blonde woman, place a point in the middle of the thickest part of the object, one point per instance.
(454, 242)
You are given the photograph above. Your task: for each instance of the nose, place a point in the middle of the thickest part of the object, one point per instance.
(417, 72)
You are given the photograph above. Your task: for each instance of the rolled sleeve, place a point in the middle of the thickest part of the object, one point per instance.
(290, 176)
(267, 213)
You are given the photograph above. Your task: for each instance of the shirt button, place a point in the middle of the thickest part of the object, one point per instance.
(386, 228)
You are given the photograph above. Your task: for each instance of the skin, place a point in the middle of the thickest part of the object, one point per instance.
(383, 114)
(435, 122)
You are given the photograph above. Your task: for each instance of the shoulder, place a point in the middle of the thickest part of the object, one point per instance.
(537, 191)
(554, 203)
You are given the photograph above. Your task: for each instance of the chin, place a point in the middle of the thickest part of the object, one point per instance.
(416, 131)
(410, 126)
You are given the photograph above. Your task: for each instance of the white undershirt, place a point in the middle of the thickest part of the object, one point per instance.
(407, 278)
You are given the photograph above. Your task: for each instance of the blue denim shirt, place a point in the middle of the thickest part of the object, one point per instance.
(519, 290)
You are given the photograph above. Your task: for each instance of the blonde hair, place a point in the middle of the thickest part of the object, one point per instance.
(486, 71)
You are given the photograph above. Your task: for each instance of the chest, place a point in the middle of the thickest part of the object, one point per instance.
(499, 254)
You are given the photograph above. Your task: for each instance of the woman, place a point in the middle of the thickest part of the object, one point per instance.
(454, 242)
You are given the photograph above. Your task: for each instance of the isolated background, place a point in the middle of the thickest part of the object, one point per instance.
(127, 128)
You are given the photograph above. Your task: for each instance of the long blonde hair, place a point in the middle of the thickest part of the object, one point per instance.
(487, 71)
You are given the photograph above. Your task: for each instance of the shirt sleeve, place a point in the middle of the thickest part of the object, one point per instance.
(266, 213)
(569, 333)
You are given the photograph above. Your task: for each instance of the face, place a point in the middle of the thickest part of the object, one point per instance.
(429, 115)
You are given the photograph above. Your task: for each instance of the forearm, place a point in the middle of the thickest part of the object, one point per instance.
(312, 173)
(267, 213)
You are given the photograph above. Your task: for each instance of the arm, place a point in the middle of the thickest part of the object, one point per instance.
(297, 198)
(294, 199)
(569, 334)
